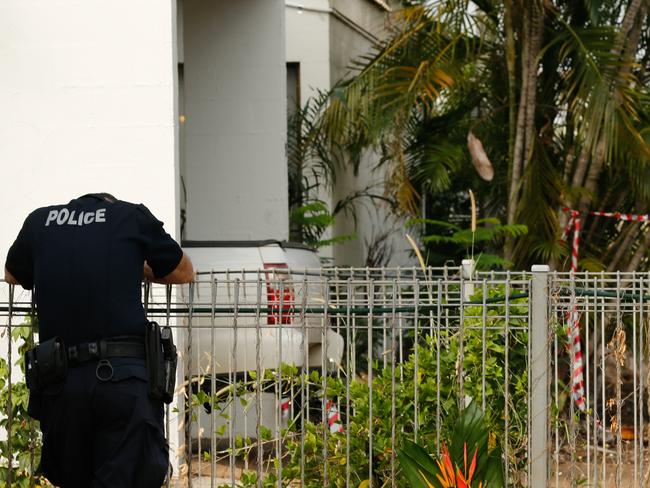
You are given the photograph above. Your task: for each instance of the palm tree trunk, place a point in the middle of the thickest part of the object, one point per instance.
(535, 44)
(595, 168)
(532, 35)
(640, 253)
(520, 131)
(581, 168)
(568, 164)
(511, 63)
(630, 19)
(622, 248)
(604, 207)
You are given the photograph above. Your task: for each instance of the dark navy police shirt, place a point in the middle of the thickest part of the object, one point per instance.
(85, 263)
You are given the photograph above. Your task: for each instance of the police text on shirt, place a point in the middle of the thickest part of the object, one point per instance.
(65, 216)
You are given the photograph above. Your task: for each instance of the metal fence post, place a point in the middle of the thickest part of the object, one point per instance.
(539, 397)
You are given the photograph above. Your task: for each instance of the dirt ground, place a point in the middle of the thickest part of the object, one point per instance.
(565, 474)
(202, 474)
(602, 469)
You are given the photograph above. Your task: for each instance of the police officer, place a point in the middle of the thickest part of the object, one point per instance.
(86, 261)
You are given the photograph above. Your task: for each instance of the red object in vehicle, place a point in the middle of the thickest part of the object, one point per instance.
(279, 294)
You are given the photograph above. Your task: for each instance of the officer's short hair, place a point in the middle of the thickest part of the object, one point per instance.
(107, 196)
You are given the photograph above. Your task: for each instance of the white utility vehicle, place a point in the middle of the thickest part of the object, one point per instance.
(246, 318)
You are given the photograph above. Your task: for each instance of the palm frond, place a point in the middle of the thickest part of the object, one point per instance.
(601, 90)
(435, 223)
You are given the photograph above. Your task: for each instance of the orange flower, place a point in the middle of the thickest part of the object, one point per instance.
(450, 478)
(472, 466)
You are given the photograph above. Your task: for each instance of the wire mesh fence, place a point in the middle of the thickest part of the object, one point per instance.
(318, 377)
(603, 444)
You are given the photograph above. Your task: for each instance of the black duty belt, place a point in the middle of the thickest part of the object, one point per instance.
(90, 351)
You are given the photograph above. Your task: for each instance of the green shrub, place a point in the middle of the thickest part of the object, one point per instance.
(310, 450)
(25, 441)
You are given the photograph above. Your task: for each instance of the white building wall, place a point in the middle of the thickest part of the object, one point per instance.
(308, 27)
(325, 36)
(88, 104)
(235, 170)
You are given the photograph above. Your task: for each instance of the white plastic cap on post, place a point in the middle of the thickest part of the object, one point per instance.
(468, 266)
(540, 268)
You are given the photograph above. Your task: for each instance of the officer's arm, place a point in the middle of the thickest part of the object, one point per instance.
(9, 278)
(20, 259)
(183, 273)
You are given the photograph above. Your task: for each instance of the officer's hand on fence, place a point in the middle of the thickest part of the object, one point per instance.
(148, 272)
(183, 273)
(9, 278)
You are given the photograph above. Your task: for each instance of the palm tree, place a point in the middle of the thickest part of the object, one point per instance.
(555, 90)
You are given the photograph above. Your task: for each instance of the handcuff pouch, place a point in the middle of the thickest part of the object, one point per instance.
(46, 364)
(161, 362)
(171, 362)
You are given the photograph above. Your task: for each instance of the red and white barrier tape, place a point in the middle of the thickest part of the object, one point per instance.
(284, 408)
(333, 417)
(624, 217)
(575, 351)
(573, 318)
(569, 226)
(332, 411)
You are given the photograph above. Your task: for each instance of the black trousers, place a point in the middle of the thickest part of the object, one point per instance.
(102, 433)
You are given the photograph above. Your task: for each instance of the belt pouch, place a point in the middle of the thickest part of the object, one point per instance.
(46, 364)
(171, 362)
(155, 361)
